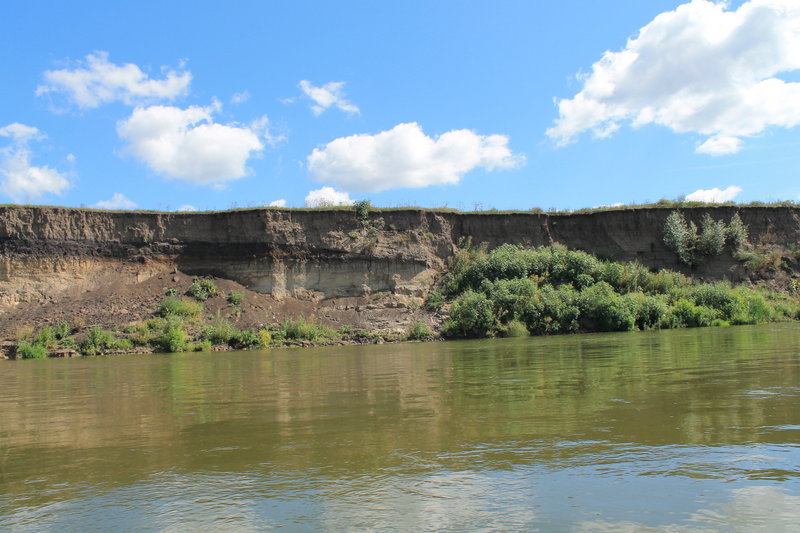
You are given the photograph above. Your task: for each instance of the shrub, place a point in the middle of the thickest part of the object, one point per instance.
(607, 309)
(235, 298)
(47, 338)
(302, 329)
(508, 296)
(552, 311)
(174, 338)
(712, 236)
(514, 328)
(686, 314)
(172, 291)
(434, 301)
(418, 331)
(470, 316)
(680, 237)
(648, 310)
(28, 350)
(202, 346)
(737, 233)
(247, 339)
(97, 341)
(179, 307)
(202, 289)
(221, 331)
(264, 338)
(362, 209)
(62, 330)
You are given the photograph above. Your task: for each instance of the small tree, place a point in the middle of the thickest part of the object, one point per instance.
(737, 233)
(680, 237)
(362, 208)
(712, 236)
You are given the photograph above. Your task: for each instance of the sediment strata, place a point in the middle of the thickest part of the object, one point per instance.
(328, 262)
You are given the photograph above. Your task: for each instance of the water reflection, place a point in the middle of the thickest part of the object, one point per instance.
(618, 431)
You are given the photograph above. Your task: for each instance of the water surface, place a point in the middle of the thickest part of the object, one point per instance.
(681, 430)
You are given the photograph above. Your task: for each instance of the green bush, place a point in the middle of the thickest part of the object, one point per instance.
(434, 301)
(553, 290)
(220, 331)
(552, 310)
(514, 328)
(98, 341)
(62, 330)
(302, 329)
(47, 338)
(362, 209)
(265, 338)
(174, 339)
(649, 310)
(470, 316)
(202, 289)
(712, 236)
(508, 296)
(737, 233)
(247, 339)
(680, 237)
(686, 314)
(418, 331)
(235, 298)
(28, 350)
(607, 310)
(179, 307)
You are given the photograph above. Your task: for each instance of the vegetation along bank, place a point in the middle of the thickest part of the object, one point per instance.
(77, 281)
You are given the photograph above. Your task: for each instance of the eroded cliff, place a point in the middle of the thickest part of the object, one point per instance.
(373, 271)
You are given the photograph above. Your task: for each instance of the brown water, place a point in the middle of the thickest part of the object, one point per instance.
(689, 430)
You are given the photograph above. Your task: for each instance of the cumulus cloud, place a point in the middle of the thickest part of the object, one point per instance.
(701, 68)
(186, 208)
(96, 81)
(19, 178)
(715, 195)
(279, 203)
(117, 201)
(404, 157)
(330, 94)
(186, 144)
(327, 197)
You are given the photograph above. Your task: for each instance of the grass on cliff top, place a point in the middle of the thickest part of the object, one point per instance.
(660, 204)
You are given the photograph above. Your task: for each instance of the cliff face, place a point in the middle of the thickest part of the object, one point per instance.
(319, 256)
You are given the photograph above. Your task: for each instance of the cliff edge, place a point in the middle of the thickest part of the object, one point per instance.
(373, 271)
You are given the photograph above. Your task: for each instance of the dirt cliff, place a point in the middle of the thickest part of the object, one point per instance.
(372, 272)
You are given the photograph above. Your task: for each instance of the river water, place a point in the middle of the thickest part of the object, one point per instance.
(682, 430)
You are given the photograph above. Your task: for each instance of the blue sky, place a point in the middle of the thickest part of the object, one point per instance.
(505, 104)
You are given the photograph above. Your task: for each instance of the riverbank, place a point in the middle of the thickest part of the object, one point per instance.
(374, 275)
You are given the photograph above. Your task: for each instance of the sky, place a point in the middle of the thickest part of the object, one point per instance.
(464, 104)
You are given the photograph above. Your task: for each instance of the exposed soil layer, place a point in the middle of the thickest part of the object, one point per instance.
(112, 268)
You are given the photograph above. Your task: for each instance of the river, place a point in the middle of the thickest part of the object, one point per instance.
(680, 430)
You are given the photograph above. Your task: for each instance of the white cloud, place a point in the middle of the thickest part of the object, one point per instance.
(240, 97)
(186, 208)
(327, 197)
(19, 179)
(278, 203)
(187, 144)
(330, 94)
(96, 81)
(714, 195)
(700, 68)
(719, 145)
(404, 157)
(118, 201)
